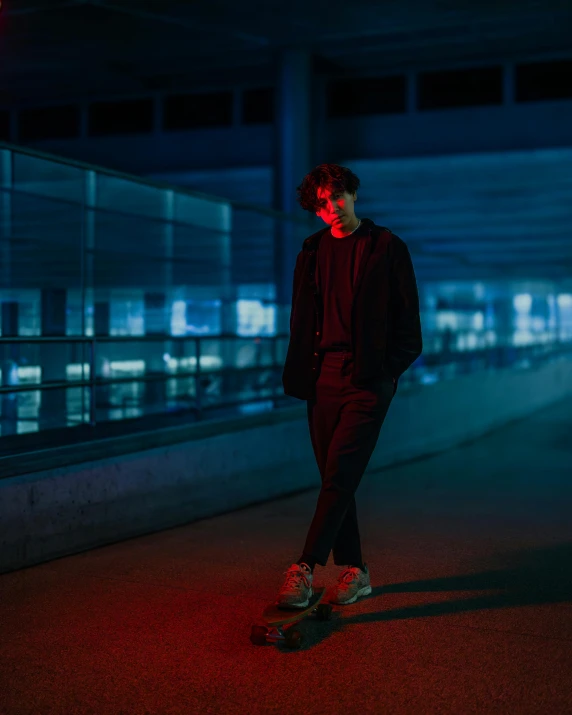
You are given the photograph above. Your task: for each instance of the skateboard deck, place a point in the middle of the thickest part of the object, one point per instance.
(274, 617)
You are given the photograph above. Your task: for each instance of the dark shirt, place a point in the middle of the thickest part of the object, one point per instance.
(334, 275)
(378, 291)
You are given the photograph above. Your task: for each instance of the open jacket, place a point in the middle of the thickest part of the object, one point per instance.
(385, 323)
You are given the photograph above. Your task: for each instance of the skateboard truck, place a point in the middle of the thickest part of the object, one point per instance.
(274, 618)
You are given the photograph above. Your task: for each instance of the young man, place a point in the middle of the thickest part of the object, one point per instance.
(354, 329)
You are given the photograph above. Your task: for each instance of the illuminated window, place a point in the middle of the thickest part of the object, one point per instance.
(254, 318)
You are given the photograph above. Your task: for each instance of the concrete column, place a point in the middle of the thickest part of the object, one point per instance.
(292, 160)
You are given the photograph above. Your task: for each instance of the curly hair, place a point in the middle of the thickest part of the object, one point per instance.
(332, 176)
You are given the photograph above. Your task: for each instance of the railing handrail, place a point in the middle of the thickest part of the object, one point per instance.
(154, 183)
(92, 382)
(152, 337)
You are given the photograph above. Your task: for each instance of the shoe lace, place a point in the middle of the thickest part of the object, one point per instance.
(293, 577)
(349, 575)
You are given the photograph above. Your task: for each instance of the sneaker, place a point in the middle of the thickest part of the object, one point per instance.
(352, 583)
(297, 589)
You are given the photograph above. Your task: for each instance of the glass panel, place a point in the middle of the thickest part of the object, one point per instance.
(43, 177)
(129, 197)
(45, 250)
(36, 364)
(199, 212)
(201, 257)
(155, 360)
(141, 260)
(129, 252)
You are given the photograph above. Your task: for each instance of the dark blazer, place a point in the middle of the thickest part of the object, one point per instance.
(385, 325)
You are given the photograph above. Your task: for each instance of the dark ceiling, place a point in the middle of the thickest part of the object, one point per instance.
(85, 48)
(480, 219)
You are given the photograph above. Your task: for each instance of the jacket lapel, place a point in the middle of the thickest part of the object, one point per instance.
(363, 252)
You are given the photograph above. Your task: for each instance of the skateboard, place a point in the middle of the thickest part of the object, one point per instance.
(274, 617)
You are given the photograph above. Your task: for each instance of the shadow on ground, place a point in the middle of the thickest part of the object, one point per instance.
(522, 578)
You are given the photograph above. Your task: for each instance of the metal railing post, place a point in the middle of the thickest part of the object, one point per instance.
(274, 350)
(92, 404)
(198, 386)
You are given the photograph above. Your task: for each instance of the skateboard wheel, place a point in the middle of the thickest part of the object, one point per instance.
(294, 639)
(324, 612)
(258, 635)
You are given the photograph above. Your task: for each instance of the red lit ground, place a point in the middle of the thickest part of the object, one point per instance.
(470, 554)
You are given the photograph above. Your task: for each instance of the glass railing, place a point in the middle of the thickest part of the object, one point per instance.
(194, 380)
(107, 281)
(94, 264)
(192, 376)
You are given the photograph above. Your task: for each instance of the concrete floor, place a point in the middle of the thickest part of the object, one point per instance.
(470, 554)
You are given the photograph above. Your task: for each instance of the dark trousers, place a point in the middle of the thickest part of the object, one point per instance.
(344, 428)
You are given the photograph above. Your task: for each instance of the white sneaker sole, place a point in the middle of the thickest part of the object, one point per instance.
(365, 591)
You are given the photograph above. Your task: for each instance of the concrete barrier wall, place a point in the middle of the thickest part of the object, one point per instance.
(66, 510)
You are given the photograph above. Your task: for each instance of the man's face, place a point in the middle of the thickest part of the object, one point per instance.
(335, 207)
